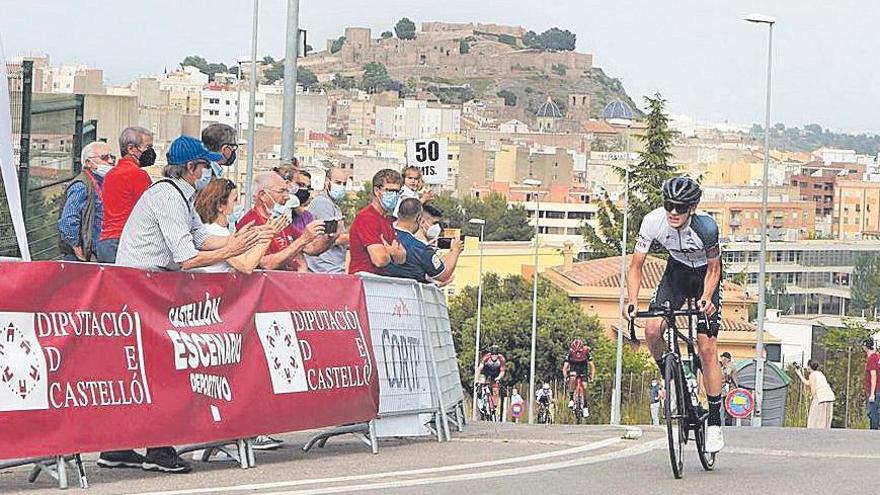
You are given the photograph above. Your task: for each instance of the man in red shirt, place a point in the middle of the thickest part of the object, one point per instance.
(872, 382)
(372, 240)
(271, 196)
(123, 186)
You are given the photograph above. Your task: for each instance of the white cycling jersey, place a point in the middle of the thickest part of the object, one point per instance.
(693, 244)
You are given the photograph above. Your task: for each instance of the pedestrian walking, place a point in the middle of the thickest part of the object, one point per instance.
(656, 388)
(872, 382)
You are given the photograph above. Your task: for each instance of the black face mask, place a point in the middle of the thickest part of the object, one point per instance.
(303, 196)
(229, 161)
(148, 158)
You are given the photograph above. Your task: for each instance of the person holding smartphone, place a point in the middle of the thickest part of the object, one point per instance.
(301, 193)
(325, 206)
(423, 263)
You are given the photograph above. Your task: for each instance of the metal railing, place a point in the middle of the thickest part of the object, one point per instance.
(48, 135)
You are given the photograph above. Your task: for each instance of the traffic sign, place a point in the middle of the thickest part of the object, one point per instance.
(739, 403)
(516, 410)
(431, 156)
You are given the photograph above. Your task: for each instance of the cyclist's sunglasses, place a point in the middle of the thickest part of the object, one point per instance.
(679, 208)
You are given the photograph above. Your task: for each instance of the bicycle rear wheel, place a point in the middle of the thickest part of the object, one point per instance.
(707, 460)
(675, 411)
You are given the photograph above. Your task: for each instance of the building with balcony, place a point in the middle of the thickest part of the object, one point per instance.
(857, 209)
(815, 274)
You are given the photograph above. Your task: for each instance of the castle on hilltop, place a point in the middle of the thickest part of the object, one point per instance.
(458, 50)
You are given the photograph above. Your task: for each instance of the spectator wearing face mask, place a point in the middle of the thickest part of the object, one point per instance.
(423, 262)
(272, 200)
(325, 206)
(80, 221)
(123, 187)
(222, 139)
(301, 217)
(373, 242)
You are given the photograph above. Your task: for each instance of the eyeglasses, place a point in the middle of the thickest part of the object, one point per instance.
(385, 189)
(229, 184)
(679, 208)
(234, 146)
(105, 158)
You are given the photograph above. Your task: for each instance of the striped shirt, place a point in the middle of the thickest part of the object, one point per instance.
(162, 231)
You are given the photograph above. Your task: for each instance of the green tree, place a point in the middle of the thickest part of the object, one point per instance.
(353, 204)
(866, 285)
(453, 213)
(306, 77)
(509, 97)
(645, 179)
(337, 44)
(405, 29)
(274, 71)
(376, 79)
(557, 40)
(503, 222)
(841, 351)
(387, 34)
(560, 69)
(344, 82)
(506, 322)
(204, 66)
(464, 46)
(530, 39)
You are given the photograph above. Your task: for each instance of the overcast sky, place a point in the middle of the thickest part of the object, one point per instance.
(699, 54)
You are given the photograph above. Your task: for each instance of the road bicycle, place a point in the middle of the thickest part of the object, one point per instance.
(545, 415)
(579, 407)
(682, 408)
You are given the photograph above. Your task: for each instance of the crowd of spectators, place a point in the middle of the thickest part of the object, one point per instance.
(190, 220)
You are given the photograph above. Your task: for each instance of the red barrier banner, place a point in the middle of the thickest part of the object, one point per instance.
(99, 358)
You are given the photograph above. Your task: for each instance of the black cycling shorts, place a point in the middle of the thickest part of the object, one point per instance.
(681, 282)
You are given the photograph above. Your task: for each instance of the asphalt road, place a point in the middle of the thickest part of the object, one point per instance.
(511, 459)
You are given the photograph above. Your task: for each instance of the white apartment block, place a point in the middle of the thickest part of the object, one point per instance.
(414, 119)
(223, 105)
(561, 222)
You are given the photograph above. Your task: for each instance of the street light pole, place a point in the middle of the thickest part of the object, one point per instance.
(235, 170)
(535, 183)
(762, 260)
(249, 178)
(288, 116)
(618, 367)
(482, 224)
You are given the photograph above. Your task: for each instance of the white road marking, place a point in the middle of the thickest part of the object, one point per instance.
(342, 479)
(620, 454)
(797, 453)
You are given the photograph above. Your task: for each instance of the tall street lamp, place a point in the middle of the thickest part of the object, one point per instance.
(535, 183)
(482, 224)
(619, 113)
(762, 260)
(249, 176)
(238, 136)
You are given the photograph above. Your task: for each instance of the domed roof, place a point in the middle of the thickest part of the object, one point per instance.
(617, 109)
(549, 109)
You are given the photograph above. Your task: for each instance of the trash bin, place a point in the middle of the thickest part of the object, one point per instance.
(776, 382)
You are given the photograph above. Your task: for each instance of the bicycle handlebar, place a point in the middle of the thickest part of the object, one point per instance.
(659, 313)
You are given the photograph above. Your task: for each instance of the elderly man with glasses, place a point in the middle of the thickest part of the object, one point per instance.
(80, 221)
(272, 199)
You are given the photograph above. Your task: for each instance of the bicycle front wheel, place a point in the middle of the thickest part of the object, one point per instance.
(707, 460)
(674, 410)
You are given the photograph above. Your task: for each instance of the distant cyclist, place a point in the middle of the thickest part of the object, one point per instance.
(693, 271)
(492, 366)
(545, 395)
(578, 363)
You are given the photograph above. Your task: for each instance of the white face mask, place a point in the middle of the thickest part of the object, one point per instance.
(433, 231)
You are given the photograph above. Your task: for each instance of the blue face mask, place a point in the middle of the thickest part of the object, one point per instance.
(389, 200)
(337, 192)
(101, 170)
(213, 170)
(235, 216)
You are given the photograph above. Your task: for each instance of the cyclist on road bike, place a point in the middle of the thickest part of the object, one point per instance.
(545, 395)
(693, 271)
(578, 363)
(492, 366)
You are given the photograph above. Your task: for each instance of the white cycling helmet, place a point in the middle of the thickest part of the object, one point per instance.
(546, 386)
